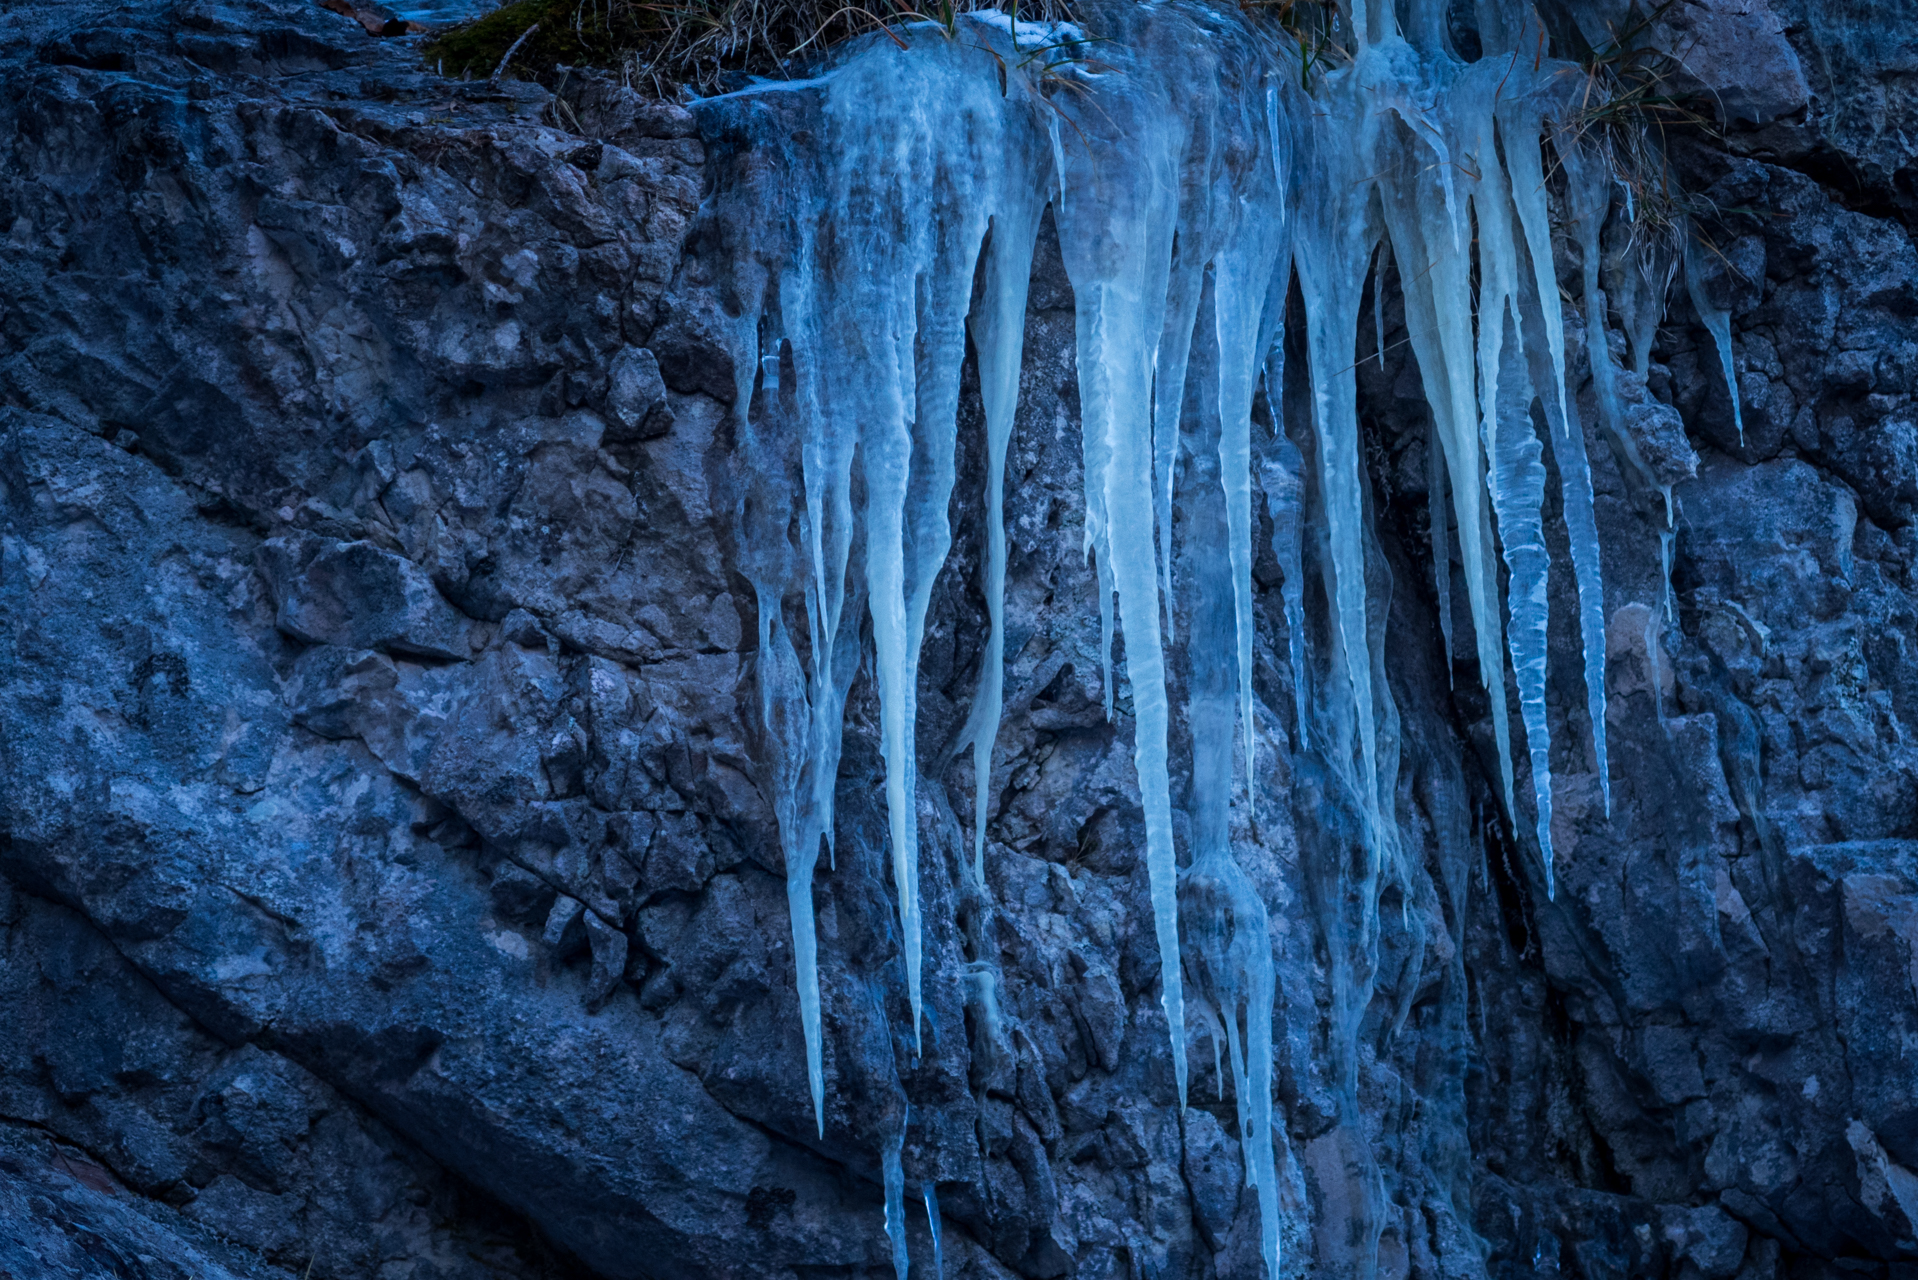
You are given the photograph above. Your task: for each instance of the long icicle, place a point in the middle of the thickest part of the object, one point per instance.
(1438, 312)
(998, 335)
(1116, 225)
(1227, 930)
(1440, 517)
(1518, 488)
(1516, 474)
(1242, 284)
(1520, 126)
(893, 1174)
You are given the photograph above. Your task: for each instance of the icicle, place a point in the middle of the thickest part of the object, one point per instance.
(1642, 272)
(998, 335)
(888, 457)
(1379, 262)
(1227, 931)
(1589, 189)
(1242, 282)
(1581, 526)
(1432, 249)
(1115, 230)
(931, 1196)
(891, 1166)
(1282, 477)
(1334, 246)
(1441, 523)
(1516, 478)
(785, 714)
(1168, 402)
(1520, 127)
(1666, 537)
(1717, 320)
(1518, 489)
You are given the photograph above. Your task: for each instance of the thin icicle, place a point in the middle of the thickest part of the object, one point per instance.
(1226, 927)
(1336, 233)
(893, 1171)
(1241, 284)
(888, 459)
(1581, 532)
(1518, 490)
(1520, 127)
(1380, 261)
(930, 1194)
(1282, 477)
(1168, 402)
(998, 335)
(1441, 522)
(1717, 320)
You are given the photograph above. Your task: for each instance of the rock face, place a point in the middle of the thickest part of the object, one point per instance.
(387, 889)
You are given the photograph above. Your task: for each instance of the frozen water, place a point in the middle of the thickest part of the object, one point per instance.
(880, 214)
(892, 1173)
(1718, 322)
(930, 1194)
(998, 335)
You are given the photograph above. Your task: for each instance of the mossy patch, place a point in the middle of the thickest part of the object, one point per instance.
(569, 34)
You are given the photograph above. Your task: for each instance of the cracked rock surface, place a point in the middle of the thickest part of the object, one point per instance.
(385, 885)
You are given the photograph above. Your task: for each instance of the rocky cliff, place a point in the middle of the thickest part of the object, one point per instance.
(390, 890)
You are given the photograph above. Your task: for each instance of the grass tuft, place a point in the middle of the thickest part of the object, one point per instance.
(707, 46)
(1626, 109)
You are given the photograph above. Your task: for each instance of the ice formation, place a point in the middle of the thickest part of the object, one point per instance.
(930, 1194)
(893, 1174)
(1200, 166)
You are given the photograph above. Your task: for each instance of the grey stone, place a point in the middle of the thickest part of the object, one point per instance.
(1707, 1237)
(636, 395)
(358, 596)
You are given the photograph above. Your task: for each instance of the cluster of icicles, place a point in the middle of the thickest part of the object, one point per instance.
(1194, 171)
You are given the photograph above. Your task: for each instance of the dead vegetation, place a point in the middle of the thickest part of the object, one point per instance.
(707, 46)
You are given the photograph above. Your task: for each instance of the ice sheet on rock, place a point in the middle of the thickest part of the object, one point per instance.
(1029, 37)
(1190, 186)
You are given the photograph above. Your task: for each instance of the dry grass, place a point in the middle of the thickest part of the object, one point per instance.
(704, 45)
(1625, 111)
